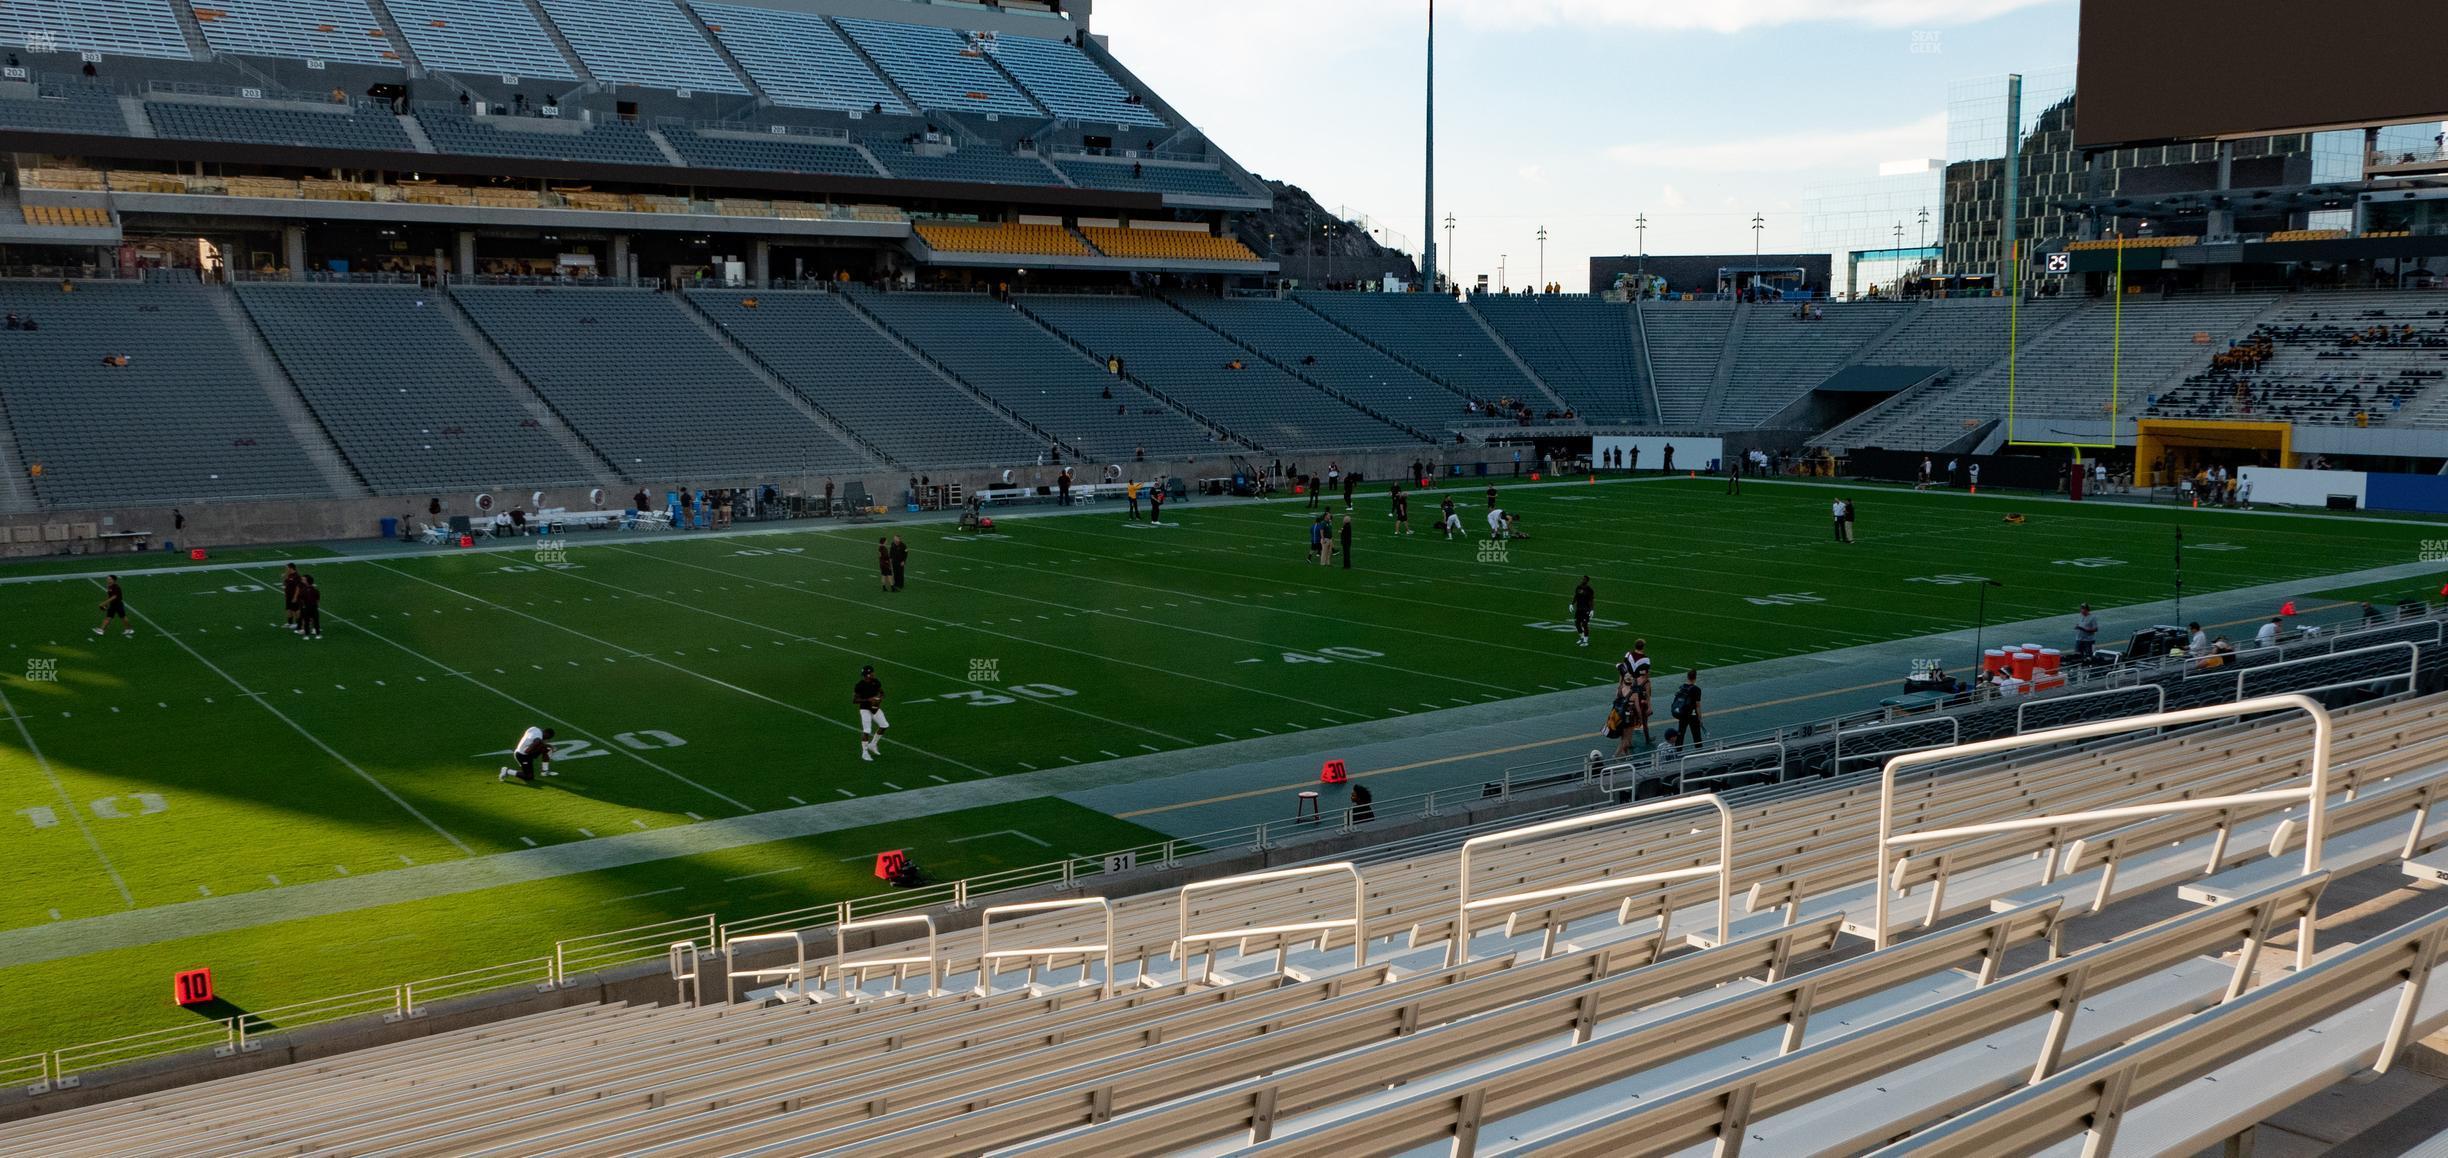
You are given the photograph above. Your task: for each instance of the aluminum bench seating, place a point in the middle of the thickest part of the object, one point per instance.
(2185, 1088)
(1849, 1090)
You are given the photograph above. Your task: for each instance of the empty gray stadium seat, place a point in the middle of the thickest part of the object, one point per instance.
(185, 420)
(798, 59)
(651, 43)
(938, 68)
(550, 139)
(112, 27)
(1118, 174)
(411, 404)
(778, 152)
(1068, 84)
(981, 164)
(643, 384)
(1040, 377)
(490, 37)
(1316, 349)
(1585, 348)
(1432, 332)
(329, 30)
(62, 106)
(827, 352)
(1187, 361)
(340, 128)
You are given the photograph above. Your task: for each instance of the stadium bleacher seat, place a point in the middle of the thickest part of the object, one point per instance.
(865, 380)
(328, 30)
(1040, 377)
(1584, 348)
(112, 27)
(1312, 347)
(1174, 244)
(977, 163)
(185, 420)
(1189, 364)
(413, 406)
(1068, 84)
(473, 36)
(658, 396)
(1190, 180)
(342, 127)
(2334, 359)
(62, 107)
(649, 43)
(67, 216)
(775, 152)
(611, 142)
(938, 67)
(1431, 332)
(798, 60)
(1002, 237)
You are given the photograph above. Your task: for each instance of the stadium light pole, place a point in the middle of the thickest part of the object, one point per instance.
(1449, 249)
(1542, 281)
(1428, 266)
(1980, 629)
(1924, 228)
(1757, 223)
(1640, 234)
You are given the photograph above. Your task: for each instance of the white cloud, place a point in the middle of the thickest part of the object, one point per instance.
(1534, 175)
(1672, 198)
(1788, 152)
(1726, 15)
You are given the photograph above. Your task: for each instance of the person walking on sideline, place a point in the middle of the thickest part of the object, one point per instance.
(868, 695)
(1686, 706)
(114, 606)
(310, 609)
(884, 563)
(1156, 497)
(1848, 520)
(533, 752)
(1451, 522)
(1402, 511)
(1131, 491)
(1584, 601)
(2086, 633)
(1836, 514)
(900, 562)
(1346, 542)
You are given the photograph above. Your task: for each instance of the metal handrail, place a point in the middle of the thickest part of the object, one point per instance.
(1458, 951)
(2314, 795)
(988, 955)
(841, 951)
(731, 951)
(1357, 922)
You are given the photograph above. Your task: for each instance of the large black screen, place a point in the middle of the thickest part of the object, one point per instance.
(2172, 70)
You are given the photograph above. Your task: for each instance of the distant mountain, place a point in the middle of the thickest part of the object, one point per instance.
(1293, 234)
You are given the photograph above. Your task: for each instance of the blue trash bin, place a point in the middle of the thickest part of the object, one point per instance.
(390, 528)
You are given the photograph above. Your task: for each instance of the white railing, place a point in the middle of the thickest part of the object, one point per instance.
(989, 956)
(31, 1072)
(1954, 728)
(1458, 951)
(1185, 940)
(622, 946)
(732, 949)
(2314, 795)
(2412, 674)
(841, 952)
(685, 965)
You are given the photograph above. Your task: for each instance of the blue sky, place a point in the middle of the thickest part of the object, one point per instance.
(1579, 114)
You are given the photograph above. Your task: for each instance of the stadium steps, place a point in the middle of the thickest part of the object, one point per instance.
(781, 386)
(561, 44)
(1019, 86)
(321, 451)
(877, 67)
(1313, 383)
(138, 124)
(919, 355)
(416, 133)
(193, 31)
(723, 51)
(16, 496)
(1713, 406)
(1885, 419)
(665, 147)
(1225, 435)
(1512, 355)
(399, 43)
(548, 419)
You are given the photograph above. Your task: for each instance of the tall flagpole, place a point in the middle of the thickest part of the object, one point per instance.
(1428, 260)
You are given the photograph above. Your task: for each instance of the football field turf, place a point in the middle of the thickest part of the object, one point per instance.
(696, 679)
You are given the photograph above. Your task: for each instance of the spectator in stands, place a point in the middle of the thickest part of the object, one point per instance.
(2086, 633)
(1139, 454)
(1363, 804)
(2268, 635)
(15, 323)
(2197, 644)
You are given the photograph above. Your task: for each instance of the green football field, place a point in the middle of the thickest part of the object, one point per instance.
(695, 680)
